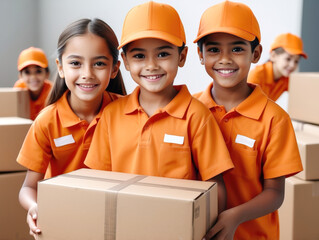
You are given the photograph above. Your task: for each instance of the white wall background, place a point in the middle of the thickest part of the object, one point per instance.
(40, 22)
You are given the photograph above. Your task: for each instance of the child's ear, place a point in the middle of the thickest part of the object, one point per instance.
(272, 56)
(127, 66)
(182, 57)
(257, 53)
(116, 68)
(60, 68)
(200, 55)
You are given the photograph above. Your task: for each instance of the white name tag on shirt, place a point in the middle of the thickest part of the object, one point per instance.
(249, 142)
(65, 140)
(174, 139)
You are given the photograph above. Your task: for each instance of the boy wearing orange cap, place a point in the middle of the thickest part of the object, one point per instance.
(257, 132)
(33, 75)
(159, 129)
(273, 76)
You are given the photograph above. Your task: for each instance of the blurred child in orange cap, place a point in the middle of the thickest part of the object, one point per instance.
(159, 129)
(258, 133)
(273, 76)
(33, 75)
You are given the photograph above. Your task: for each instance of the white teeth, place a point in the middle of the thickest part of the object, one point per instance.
(152, 77)
(86, 86)
(226, 71)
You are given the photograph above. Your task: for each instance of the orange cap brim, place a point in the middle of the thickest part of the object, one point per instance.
(296, 52)
(233, 31)
(31, 62)
(152, 34)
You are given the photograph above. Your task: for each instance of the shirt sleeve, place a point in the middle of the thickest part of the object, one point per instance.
(35, 153)
(281, 156)
(254, 77)
(210, 152)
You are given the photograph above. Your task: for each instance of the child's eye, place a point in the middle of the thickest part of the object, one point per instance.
(75, 63)
(238, 49)
(100, 64)
(213, 49)
(139, 56)
(39, 71)
(163, 54)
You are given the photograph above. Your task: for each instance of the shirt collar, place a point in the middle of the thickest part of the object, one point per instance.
(176, 108)
(254, 105)
(68, 118)
(251, 107)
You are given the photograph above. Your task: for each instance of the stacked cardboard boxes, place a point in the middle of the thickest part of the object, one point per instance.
(299, 214)
(14, 125)
(14, 103)
(93, 204)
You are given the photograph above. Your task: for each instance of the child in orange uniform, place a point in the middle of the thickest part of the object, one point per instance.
(88, 79)
(159, 129)
(273, 76)
(33, 76)
(258, 133)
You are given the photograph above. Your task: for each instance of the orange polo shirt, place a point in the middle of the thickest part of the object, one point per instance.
(262, 144)
(181, 140)
(58, 141)
(263, 76)
(36, 105)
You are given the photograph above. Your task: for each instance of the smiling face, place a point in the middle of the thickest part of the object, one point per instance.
(34, 76)
(284, 63)
(87, 67)
(153, 64)
(227, 59)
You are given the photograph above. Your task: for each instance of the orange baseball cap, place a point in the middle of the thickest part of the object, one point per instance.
(229, 17)
(290, 43)
(32, 56)
(153, 20)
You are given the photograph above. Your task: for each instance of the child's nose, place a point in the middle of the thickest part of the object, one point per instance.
(152, 64)
(87, 72)
(225, 58)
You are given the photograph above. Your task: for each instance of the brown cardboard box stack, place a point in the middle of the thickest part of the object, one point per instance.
(14, 125)
(299, 214)
(14, 103)
(93, 204)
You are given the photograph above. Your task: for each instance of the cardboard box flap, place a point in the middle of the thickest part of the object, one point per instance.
(132, 184)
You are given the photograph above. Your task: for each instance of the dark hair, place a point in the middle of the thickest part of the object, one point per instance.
(81, 27)
(180, 49)
(279, 50)
(253, 43)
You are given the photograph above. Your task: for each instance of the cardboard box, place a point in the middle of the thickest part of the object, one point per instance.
(14, 103)
(311, 128)
(13, 131)
(299, 214)
(91, 204)
(308, 145)
(303, 97)
(13, 225)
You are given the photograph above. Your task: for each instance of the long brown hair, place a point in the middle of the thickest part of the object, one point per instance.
(81, 27)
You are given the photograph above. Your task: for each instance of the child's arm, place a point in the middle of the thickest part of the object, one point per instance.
(28, 199)
(269, 200)
(221, 189)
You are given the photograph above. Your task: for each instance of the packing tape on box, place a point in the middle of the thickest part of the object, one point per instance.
(111, 199)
